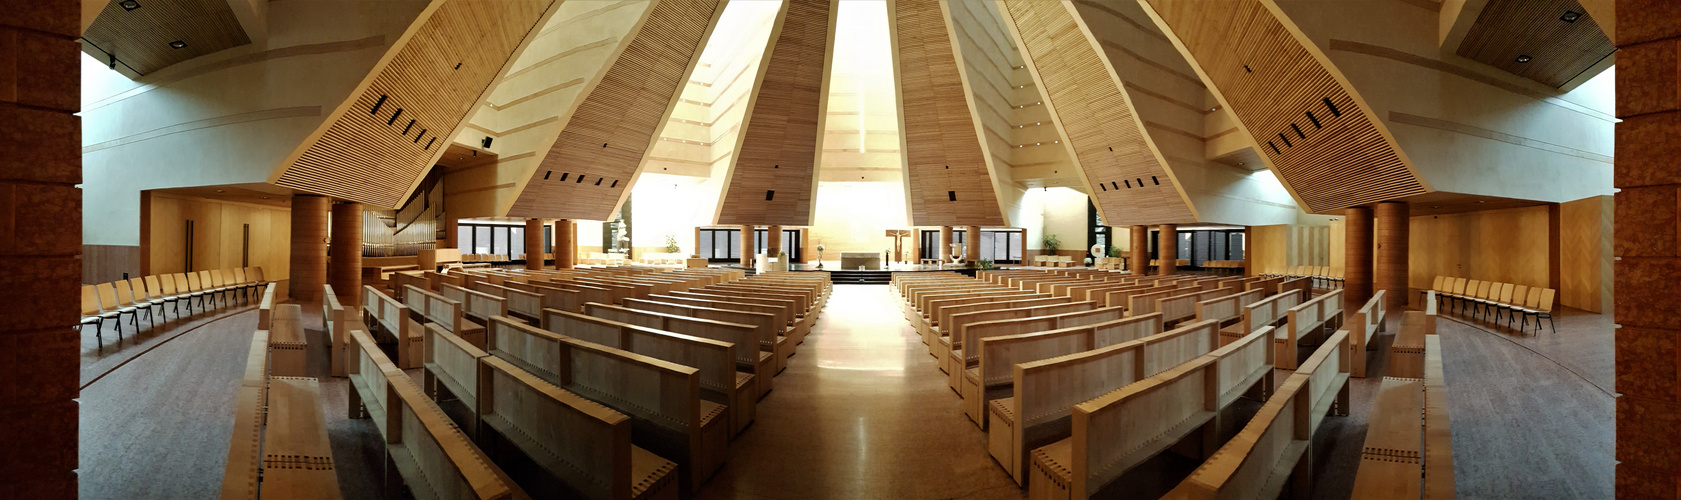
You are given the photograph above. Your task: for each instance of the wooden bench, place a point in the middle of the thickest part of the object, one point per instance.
(1362, 328)
(1264, 313)
(552, 297)
(1302, 320)
(713, 360)
(1119, 430)
(764, 327)
(265, 309)
(431, 307)
(1269, 451)
(663, 398)
(338, 320)
(1045, 391)
(1406, 353)
(387, 318)
(929, 328)
(991, 378)
(279, 447)
(796, 328)
(521, 304)
(949, 334)
(1228, 309)
(742, 337)
(1405, 456)
(476, 307)
(1183, 306)
(1016, 322)
(780, 346)
(288, 348)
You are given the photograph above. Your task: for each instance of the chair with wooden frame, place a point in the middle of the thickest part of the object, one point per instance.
(164, 293)
(1462, 295)
(93, 315)
(125, 300)
(1512, 301)
(1435, 286)
(187, 285)
(146, 298)
(1539, 305)
(174, 291)
(211, 280)
(1484, 295)
(108, 304)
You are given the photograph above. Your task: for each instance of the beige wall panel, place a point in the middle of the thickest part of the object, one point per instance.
(1269, 247)
(1508, 246)
(218, 236)
(1585, 254)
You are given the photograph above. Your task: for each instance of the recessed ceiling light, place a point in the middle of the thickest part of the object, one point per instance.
(177, 44)
(1570, 16)
(129, 4)
(1523, 59)
(1435, 206)
(265, 197)
(1240, 164)
(1479, 202)
(218, 190)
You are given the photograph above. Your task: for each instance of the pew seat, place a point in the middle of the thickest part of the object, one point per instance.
(288, 348)
(297, 459)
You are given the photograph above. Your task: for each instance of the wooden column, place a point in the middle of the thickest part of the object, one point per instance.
(972, 243)
(1647, 257)
(41, 253)
(1390, 265)
(534, 244)
(945, 244)
(565, 244)
(1139, 262)
(1168, 243)
(309, 247)
(345, 268)
(452, 233)
(747, 246)
(773, 241)
(1357, 257)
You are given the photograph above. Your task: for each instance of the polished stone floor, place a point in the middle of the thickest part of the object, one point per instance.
(863, 412)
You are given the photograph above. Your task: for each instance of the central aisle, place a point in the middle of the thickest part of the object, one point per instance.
(861, 412)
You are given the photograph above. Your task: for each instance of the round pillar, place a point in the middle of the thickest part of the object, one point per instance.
(1357, 257)
(972, 243)
(1168, 242)
(308, 259)
(773, 241)
(1390, 267)
(344, 270)
(945, 244)
(534, 244)
(1139, 263)
(747, 246)
(566, 244)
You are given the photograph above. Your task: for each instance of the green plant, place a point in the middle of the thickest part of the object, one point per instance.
(671, 244)
(986, 265)
(1114, 251)
(1051, 244)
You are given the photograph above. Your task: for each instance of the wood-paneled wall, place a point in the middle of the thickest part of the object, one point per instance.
(1268, 248)
(218, 228)
(1507, 245)
(102, 263)
(1585, 247)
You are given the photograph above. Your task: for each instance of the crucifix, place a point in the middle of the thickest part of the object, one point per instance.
(898, 236)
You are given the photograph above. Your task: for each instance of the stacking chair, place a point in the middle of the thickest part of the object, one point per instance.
(1514, 301)
(1539, 305)
(1480, 300)
(223, 288)
(166, 295)
(1461, 293)
(143, 298)
(1435, 286)
(108, 304)
(176, 286)
(92, 315)
(188, 284)
(1498, 296)
(244, 283)
(208, 286)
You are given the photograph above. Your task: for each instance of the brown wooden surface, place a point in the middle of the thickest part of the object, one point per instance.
(308, 266)
(1390, 266)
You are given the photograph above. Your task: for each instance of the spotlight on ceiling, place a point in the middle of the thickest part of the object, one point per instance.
(129, 4)
(1570, 16)
(177, 44)
(1523, 59)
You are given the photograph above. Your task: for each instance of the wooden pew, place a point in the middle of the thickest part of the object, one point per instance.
(1267, 312)
(288, 348)
(950, 331)
(265, 309)
(764, 326)
(1182, 305)
(476, 307)
(279, 435)
(1121, 429)
(1016, 322)
(245, 449)
(338, 320)
(1269, 452)
(741, 337)
(400, 280)
(1307, 318)
(1038, 412)
(433, 307)
(714, 361)
(389, 318)
(992, 378)
(1405, 456)
(522, 304)
(780, 346)
(929, 328)
(1227, 309)
(1362, 328)
(662, 397)
(551, 297)
(1406, 353)
(796, 328)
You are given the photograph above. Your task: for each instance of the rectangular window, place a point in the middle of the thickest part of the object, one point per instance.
(481, 239)
(516, 243)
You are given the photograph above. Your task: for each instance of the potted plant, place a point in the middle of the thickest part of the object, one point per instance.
(819, 255)
(671, 244)
(1050, 244)
(986, 264)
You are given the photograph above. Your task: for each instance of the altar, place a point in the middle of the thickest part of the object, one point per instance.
(851, 261)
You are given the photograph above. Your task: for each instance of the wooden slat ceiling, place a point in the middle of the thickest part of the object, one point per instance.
(1127, 177)
(591, 167)
(376, 150)
(1559, 50)
(773, 178)
(943, 158)
(1272, 83)
(140, 38)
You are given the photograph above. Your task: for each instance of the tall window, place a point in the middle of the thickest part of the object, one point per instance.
(1001, 246)
(719, 245)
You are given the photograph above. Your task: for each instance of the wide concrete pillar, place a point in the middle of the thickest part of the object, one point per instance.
(747, 246)
(773, 241)
(344, 271)
(945, 244)
(1357, 257)
(1168, 243)
(1139, 262)
(1390, 263)
(40, 248)
(309, 247)
(534, 244)
(972, 243)
(565, 244)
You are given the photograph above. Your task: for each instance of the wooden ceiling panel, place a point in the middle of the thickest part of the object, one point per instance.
(1558, 50)
(773, 177)
(378, 148)
(1324, 145)
(589, 170)
(140, 38)
(947, 181)
(1127, 177)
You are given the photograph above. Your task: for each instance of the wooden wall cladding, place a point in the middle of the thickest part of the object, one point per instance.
(947, 181)
(1508, 246)
(1325, 146)
(773, 176)
(1558, 50)
(376, 150)
(141, 38)
(1585, 253)
(1127, 176)
(591, 167)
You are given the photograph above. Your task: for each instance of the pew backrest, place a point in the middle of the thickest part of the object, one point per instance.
(582, 443)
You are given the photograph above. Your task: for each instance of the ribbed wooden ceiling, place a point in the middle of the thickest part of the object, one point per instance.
(1326, 147)
(1558, 50)
(591, 167)
(774, 177)
(376, 150)
(947, 182)
(1129, 180)
(140, 38)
